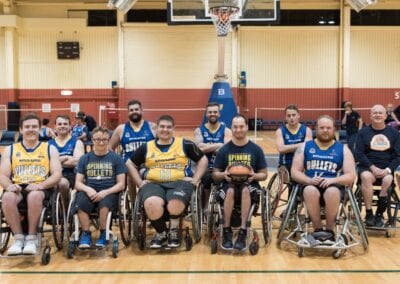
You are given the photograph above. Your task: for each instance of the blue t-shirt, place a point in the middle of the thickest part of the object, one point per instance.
(131, 139)
(101, 171)
(66, 150)
(290, 138)
(250, 154)
(323, 162)
(212, 138)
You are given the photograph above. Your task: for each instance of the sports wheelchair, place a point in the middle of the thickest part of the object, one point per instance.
(215, 221)
(393, 204)
(193, 214)
(278, 188)
(53, 214)
(122, 215)
(350, 231)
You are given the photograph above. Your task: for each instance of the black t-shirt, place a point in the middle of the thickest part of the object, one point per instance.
(90, 122)
(250, 154)
(190, 149)
(378, 147)
(352, 123)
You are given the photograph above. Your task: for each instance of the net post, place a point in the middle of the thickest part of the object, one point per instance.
(255, 125)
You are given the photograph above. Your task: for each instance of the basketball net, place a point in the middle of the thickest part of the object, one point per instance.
(222, 17)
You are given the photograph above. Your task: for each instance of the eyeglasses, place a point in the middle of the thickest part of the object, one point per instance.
(98, 140)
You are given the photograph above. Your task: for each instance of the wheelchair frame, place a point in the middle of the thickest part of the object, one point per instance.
(52, 213)
(193, 212)
(278, 184)
(215, 222)
(349, 225)
(122, 214)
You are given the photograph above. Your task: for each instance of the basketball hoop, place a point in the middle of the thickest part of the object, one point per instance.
(222, 17)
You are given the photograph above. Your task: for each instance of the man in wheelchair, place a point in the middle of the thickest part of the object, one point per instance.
(378, 155)
(167, 182)
(239, 151)
(28, 173)
(100, 177)
(324, 166)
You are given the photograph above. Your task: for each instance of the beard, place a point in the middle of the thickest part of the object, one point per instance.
(213, 120)
(325, 138)
(135, 117)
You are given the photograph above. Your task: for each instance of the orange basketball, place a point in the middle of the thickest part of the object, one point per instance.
(239, 172)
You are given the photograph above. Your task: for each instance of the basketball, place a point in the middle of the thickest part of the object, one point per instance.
(239, 172)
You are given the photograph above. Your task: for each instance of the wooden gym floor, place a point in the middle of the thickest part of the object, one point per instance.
(380, 264)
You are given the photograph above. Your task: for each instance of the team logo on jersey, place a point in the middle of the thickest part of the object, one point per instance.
(153, 156)
(333, 152)
(127, 135)
(18, 154)
(287, 137)
(205, 134)
(312, 151)
(380, 143)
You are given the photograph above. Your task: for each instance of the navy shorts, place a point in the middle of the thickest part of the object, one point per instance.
(83, 202)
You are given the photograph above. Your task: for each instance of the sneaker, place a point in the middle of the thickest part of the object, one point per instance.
(240, 243)
(31, 244)
(158, 240)
(85, 240)
(102, 241)
(379, 221)
(227, 238)
(17, 246)
(174, 239)
(370, 221)
(324, 236)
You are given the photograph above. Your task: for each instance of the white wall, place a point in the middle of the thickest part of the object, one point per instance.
(375, 57)
(289, 57)
(2, 59)
(158, 56)
(40, 68)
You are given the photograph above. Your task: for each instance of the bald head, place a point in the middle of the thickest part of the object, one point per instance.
(378, 116)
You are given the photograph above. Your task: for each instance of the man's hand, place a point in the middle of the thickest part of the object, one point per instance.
(100, 195)
(33, 187)
(91, 193)
(227, 176)
(326, 182)
(14, 188)
(251, 176)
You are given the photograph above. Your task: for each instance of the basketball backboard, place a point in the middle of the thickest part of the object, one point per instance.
(252, 12)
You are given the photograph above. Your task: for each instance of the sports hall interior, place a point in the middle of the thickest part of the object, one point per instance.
(170, 69)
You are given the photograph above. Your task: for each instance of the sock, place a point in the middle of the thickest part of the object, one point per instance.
(174, 223)
(369, 212)
(382, 204)
(159, 225)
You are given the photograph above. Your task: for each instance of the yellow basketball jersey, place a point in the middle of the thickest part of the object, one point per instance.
(30, 166)
(167, 166)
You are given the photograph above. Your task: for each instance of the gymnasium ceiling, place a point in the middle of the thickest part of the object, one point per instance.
(161, 4)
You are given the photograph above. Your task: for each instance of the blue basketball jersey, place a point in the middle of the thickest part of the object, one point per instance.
(290, 138)
(78, 130)
(212, 138)
(66, 150)
(131, 139)
(323, 162)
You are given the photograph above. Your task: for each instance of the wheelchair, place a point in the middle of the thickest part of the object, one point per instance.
(193, 214)
(122, 216)
(53, 214)
(350, 231)
(393, 204)
(278, 188)
(215, 221)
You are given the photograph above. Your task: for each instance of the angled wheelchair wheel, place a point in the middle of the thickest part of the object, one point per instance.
(290, 208)
(392, 209)
(212, 215)
(125, 218)
(196, 213)
(266, 217)
(356, 218)
(58, 220)
(4, 233)
(139, 223)
(277, 185)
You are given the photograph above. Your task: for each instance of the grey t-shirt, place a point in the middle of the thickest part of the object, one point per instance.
(101, 171)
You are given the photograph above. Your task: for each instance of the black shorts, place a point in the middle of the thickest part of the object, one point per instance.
(83, 202)
(70, 177)
(181, 190)
(23, 205)
(207, 179)
(254, 188)
(341, 189)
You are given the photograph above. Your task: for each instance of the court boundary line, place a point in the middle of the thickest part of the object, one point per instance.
(313, 271)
